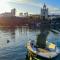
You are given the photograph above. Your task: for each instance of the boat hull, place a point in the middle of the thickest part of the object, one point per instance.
(41, 52)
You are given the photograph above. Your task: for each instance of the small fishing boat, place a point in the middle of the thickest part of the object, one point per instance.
(49, 52)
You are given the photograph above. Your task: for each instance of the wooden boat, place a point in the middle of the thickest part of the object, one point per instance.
(49, 52)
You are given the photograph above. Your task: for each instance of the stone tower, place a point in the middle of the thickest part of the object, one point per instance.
(44, 12)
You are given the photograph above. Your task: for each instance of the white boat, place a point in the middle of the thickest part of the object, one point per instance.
(49, 52)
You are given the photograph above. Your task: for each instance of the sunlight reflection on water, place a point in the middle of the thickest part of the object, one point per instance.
(15, 49)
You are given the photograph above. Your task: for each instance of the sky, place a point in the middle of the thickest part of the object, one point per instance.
(30, 6)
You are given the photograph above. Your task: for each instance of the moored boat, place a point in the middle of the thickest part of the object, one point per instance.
(49, 52)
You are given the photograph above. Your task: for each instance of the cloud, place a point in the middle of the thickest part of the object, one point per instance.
(52, 9)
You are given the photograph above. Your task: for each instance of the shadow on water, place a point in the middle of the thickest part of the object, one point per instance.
(41, 58)
(41, 39)
(19, 52)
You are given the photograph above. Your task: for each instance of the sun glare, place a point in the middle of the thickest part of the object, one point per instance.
(4, 6)
(22, 1)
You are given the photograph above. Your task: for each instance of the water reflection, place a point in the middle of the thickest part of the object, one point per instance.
(15, 36)
(18, 37)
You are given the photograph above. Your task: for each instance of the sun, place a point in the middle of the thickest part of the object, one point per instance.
(4, 6)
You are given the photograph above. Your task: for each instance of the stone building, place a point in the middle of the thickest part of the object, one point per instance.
(13, 12)
(44, 12)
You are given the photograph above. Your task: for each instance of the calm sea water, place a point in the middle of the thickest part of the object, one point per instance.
(13, 41)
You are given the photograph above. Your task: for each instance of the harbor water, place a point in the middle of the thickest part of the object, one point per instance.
(13, 42)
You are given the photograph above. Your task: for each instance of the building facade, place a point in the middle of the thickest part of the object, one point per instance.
(7, 14)
(44, 12)
(21, 14)
(26, 14)
(13, 12)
